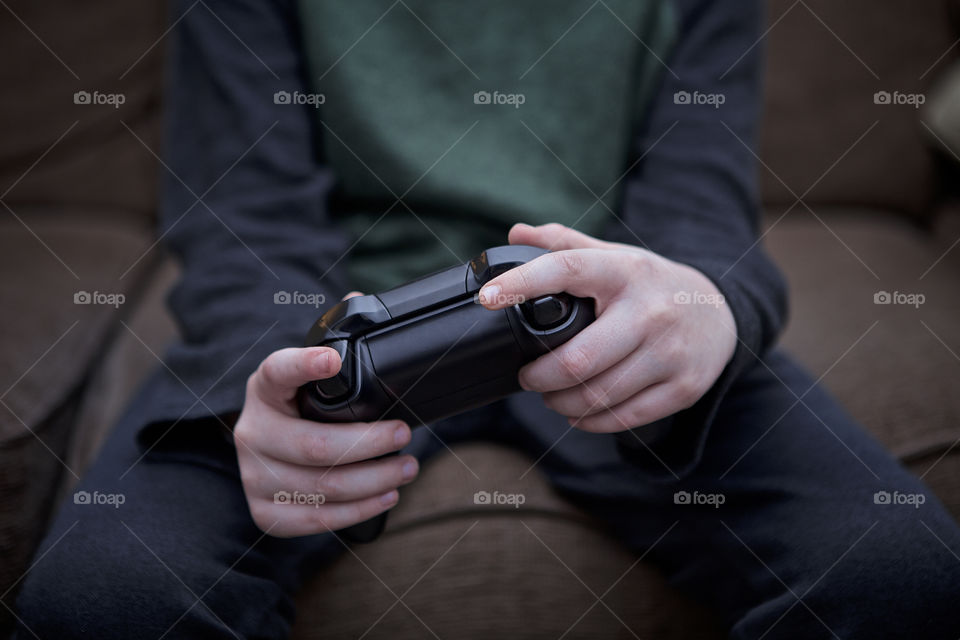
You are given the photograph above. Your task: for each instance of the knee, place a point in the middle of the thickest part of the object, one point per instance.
(897, 580)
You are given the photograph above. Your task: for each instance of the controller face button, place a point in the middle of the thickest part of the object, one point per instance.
(340, 384)
(547, 312)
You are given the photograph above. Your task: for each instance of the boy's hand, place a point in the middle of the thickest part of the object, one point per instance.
(329, 466)
(662, 336)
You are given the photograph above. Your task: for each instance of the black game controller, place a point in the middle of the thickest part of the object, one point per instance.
(427, 350)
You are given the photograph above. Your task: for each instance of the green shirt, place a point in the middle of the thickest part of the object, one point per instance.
(476, 115)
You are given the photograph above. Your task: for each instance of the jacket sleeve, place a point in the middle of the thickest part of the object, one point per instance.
(693, 198)
(243, 207)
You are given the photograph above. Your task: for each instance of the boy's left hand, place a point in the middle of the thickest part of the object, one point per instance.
(662, 336)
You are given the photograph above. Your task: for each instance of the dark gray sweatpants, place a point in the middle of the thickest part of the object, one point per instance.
(799, 548)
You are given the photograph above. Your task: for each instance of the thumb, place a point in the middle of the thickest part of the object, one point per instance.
(283, 372)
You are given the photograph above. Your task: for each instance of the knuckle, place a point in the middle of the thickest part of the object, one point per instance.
(592, 396)
(639, 262)
(570, 263)
(686, 391)
(269, 368)
(671, 351)
(329, 485)
(557, 230)
(314, 447)
(518, 280)
(576, 363)
(379, 439)
(662, 314)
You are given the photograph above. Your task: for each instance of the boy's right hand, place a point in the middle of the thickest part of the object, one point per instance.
(328, 465)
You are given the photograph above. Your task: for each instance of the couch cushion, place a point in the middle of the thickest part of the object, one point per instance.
(49, 341)
(482, 571)
(131, 357)
(61, 48)
(894, 366)
(826, 61)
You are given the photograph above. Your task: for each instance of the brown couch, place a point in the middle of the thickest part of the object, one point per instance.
(856, 200)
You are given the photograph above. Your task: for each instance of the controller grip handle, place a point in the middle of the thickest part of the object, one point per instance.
(366, 531)
(370, 529)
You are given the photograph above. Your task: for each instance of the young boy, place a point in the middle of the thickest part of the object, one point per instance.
(326, 146)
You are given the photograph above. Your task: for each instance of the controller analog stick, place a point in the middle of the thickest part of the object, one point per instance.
(547, 312)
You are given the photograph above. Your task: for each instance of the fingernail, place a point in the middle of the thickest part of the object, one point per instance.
(401, 435)
(410, 469)
(489, 294)
(388, 498)
(323, 359)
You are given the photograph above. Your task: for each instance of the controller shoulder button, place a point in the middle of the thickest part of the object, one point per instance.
(494, 261)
